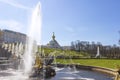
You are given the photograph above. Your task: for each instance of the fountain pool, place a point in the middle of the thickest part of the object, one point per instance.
(61, 74)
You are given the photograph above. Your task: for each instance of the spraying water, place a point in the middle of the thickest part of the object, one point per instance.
(34, 33)
(98, 52)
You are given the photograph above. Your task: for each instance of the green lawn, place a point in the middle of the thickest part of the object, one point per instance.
(108, 63)
(65, 53)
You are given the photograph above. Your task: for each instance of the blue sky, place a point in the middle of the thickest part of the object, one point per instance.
(84, 20)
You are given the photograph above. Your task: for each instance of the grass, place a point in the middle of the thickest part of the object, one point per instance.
(65, 53)
(107, 63)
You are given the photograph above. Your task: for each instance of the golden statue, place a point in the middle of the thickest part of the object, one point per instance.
(39, 67)
(38, 62)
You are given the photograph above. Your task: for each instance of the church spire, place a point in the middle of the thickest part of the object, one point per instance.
(53, 36)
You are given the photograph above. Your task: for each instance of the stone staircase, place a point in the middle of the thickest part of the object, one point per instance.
(9, 54)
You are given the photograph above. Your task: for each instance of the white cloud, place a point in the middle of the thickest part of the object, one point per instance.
(15, 4)
(77, 29)
(69, 29)
(11, 25)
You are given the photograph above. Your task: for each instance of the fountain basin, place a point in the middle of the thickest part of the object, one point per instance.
(62, 73)
(44, 72)
(83, 72)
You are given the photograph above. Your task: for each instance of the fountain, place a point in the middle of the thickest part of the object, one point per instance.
(33, 61)
(98, 53)
(34, 29)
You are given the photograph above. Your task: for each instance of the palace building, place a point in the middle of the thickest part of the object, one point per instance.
(8, 36)
(53, 43)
